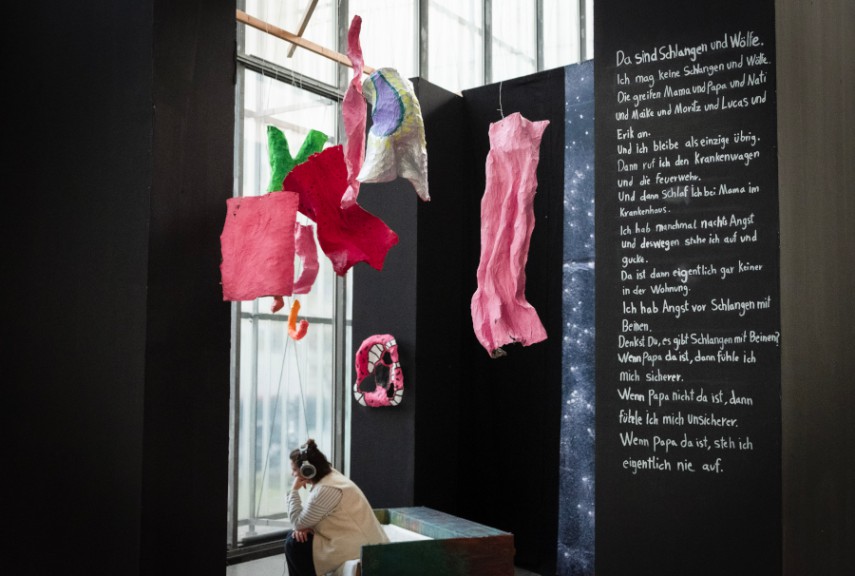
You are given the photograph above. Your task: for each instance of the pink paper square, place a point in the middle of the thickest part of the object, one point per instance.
(257, 246)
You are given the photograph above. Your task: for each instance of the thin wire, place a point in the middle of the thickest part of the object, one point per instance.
(501, 110)
(266, 84)
(272, 429)
(276, 411)
(302, 396)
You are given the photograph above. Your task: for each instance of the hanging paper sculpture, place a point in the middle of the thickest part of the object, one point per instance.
(281, 161)
(377, 358)
(257, 245)
(354, 113)
(346, 235)
(396, 141)
(295, 330)
(500, 313)
(304, 249)
(258, 238)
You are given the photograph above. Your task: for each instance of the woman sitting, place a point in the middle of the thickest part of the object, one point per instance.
(335, 523)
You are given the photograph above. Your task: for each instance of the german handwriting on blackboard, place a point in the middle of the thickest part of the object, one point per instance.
(687, 174)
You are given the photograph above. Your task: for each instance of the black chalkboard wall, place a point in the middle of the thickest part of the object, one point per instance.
(688, 465)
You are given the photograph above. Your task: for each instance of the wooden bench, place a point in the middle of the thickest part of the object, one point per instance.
(442, 545)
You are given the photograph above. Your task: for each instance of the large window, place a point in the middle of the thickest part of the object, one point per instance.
(387, 37)
(284, 391)
(455, 51)
(514, 39)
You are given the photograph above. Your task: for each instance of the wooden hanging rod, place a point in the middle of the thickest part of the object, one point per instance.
(299, 41)
(310, 9)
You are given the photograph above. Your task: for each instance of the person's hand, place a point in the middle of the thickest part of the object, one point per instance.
(302, 535)
(299, 482)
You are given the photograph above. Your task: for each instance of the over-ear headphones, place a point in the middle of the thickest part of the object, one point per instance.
(307, 469)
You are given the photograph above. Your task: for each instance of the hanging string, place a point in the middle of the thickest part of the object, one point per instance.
(302, 396)
(501, 110)
(276, 411)
(266, 82)
(272, 429)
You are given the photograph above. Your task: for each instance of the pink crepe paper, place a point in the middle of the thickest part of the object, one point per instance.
(354, 111)
(306, 250)
(346, 235)
(257, 245)
(500, 313)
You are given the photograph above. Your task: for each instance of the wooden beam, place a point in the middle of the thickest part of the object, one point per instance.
(310, 9)
(294, 39)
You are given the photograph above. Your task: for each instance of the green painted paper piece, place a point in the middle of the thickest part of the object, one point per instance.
(281, 161)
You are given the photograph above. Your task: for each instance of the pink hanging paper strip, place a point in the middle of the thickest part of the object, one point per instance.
(307, 251)
(354, 111)
(500, 312)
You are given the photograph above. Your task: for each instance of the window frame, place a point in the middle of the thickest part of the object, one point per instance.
(340, 316)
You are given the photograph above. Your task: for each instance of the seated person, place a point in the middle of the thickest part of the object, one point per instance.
(336, 521)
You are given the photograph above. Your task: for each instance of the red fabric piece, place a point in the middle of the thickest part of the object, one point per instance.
(346, 235)
(500, 312)
(354, 112)
(307, 251)
(257, 245)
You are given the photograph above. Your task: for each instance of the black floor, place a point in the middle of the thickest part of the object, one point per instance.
(275, 566)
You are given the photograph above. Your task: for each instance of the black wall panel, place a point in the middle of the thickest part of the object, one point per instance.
(402, 454)
(474, 437)
(511, 411)
(116, 339)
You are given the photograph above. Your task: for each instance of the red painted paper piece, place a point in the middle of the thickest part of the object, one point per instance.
(257, 245)
(346, 235)
(354, 111)
(500, 312)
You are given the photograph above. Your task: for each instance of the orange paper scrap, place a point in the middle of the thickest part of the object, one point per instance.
(296, 331)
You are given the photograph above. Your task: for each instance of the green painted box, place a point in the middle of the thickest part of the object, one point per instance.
(457, 547)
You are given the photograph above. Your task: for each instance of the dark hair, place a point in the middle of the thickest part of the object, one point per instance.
(309, 452)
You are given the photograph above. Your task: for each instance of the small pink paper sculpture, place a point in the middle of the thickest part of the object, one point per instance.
(396, 141)
(257, 245)
(354, 112)
(500, 313)
(346, 235)
(305, 250)
(378, 357)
